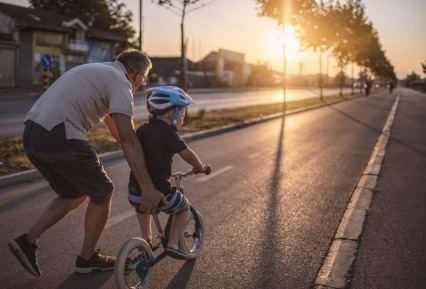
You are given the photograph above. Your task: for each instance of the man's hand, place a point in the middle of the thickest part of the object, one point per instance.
(150, 200)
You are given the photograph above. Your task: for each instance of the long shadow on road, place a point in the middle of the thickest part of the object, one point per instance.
(269, 258)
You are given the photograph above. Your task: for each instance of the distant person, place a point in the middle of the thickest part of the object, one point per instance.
(367, 87)
(55, 142)
(160, 141)
(391, 86)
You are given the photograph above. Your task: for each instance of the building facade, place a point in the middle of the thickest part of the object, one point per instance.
(32, 40)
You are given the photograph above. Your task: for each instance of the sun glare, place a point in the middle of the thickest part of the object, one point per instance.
(290, 41)
(292, 46)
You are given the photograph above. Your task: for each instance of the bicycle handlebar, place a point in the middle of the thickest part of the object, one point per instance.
(181, 175)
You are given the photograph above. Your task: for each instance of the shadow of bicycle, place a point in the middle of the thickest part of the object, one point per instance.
(181, 279)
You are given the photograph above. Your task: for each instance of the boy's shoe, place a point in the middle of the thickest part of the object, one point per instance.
(26, 253)
(97, 263)
(175, 253)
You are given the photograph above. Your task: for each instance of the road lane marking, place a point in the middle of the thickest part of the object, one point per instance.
(253, 156)
(119, 218)
(213, 174)
(342, 253)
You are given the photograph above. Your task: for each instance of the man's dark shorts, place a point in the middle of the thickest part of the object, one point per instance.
(71, 167)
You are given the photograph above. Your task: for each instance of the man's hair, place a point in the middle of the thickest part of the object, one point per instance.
(134, 60)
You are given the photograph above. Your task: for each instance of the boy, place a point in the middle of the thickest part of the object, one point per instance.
(160, 140)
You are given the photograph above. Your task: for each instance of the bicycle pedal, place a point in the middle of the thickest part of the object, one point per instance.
(155, 246)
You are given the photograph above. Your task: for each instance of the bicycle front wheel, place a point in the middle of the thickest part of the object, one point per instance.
(133, 265)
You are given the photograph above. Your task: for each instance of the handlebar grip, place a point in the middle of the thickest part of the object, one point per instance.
(208, 170)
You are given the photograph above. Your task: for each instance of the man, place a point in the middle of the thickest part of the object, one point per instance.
(55, 141)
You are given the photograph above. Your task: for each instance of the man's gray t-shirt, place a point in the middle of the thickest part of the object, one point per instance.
(82, 97)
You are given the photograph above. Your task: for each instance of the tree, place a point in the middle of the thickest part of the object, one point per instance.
(411, 78)
(105, 14)
(424, 67)
(294, 12)
(330, 25)
(182, 10)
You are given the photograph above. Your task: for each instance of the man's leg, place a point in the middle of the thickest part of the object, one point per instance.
(90, 259)
(95, 220)
(25, 246)
(55, 211)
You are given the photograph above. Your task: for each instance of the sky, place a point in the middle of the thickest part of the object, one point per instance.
(234, 25)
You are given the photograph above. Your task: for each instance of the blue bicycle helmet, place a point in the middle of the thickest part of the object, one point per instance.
(162, 99)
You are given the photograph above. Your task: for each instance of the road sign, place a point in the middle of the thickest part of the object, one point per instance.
(46, 60)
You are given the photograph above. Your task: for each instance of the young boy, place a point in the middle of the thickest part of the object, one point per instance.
(160, 140)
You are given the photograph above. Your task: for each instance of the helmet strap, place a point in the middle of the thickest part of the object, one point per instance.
(175, 114)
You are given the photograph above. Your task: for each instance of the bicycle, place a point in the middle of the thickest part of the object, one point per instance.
(135, 259)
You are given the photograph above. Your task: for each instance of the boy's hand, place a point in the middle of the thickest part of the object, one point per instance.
(203, 169)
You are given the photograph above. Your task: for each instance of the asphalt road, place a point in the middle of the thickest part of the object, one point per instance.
(271, 206)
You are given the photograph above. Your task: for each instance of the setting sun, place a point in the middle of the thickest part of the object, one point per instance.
(275, 42)
(290, 41)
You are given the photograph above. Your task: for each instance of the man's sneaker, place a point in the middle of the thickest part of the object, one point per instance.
(26, 253)
(97, 263)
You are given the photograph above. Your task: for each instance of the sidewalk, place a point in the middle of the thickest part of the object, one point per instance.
(10, 94)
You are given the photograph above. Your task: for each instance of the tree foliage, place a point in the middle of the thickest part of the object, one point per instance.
(424, 67)
(411, 78)
(105, 14)
(294, 12)
(341, 28)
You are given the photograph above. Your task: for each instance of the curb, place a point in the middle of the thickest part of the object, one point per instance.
(34, 174)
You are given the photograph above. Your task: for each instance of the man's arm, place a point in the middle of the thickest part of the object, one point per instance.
(135, 158)
(109, 122)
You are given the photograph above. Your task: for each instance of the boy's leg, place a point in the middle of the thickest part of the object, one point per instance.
(145, 224)
(179, 222)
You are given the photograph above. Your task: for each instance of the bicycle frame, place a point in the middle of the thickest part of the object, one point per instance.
(163, 238)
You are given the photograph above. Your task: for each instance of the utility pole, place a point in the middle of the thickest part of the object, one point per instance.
(140, 25)
(284, 69)
(183, 50)
(320, 72)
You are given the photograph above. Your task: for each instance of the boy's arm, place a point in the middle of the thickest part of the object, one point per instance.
(192, 159)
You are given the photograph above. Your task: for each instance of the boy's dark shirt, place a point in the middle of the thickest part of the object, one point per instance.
(160, 141)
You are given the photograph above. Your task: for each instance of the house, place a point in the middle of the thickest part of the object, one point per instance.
(32, 40)
(166, 71)
(229, 67)
(221, 68)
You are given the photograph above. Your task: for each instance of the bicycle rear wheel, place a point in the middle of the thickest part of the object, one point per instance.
(192, 239)
(132, 266)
